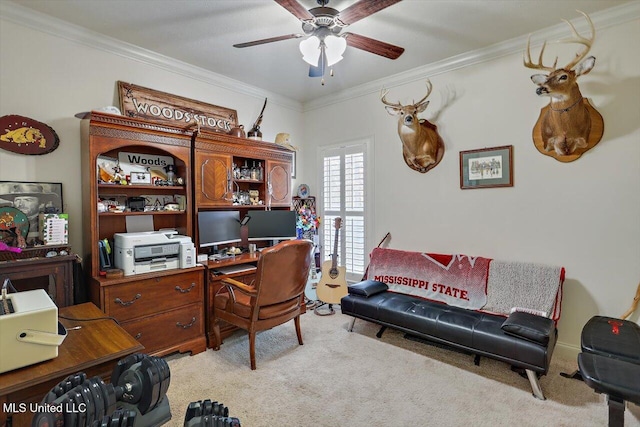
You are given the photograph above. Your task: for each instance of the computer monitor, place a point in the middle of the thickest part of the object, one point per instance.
(218, 228)
(272, 225)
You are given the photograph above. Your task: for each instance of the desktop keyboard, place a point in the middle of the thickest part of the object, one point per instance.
(239, 268)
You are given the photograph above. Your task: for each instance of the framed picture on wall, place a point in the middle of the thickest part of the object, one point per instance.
(486, 168)
(32, 199)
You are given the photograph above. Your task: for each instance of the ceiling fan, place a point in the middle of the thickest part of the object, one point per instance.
(325, 42)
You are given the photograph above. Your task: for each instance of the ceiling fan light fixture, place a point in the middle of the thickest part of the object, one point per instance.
(334, 49)
(310, 49)
(324, 45)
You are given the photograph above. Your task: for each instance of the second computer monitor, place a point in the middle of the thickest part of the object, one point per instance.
(272, 225)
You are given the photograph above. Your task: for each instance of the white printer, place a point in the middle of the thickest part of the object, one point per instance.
(29, 329)
(150, 251)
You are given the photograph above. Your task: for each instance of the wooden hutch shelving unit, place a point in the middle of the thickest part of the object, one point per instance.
(169, 311)
(215, 155)
(165, 310)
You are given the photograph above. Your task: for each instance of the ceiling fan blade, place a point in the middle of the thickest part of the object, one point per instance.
(362, 9)
(374, 46)
(296, 9)
(269, 40)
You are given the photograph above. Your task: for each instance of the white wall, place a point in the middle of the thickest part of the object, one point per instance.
(583, 215)
(50, 78)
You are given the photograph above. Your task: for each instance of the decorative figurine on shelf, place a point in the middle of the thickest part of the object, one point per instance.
(21, 242)
(118, 177)
(171, 174)
(255, 133)
(238, 131)
(254, 197)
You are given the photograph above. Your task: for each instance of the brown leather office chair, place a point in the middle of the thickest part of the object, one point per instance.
(276, 295)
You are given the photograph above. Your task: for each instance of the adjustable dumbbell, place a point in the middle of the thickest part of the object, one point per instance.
(205, 413)
(120, 418)
(82, 401)
(141, 381)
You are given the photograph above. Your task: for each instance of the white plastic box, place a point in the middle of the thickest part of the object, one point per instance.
(30, 334)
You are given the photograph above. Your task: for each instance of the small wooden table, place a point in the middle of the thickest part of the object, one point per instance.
(94, 349)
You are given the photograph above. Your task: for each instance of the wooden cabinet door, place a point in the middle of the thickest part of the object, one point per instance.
(213, 179)
(278, 180)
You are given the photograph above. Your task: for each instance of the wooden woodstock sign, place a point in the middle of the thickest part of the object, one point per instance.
(569, 126)
(163, 108)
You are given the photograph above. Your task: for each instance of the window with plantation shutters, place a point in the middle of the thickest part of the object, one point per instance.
(344, 182)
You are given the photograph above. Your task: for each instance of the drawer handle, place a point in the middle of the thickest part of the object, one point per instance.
(138, 335)
(124, 304)
(180, 325)
(184, 291)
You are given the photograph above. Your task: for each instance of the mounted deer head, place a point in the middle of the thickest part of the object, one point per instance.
(422, 147)
(566, 123)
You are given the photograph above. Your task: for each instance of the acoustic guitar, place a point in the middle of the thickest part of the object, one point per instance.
(333, 280)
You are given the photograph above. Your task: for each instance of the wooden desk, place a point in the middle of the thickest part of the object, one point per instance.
(56, 275)
(93, 349)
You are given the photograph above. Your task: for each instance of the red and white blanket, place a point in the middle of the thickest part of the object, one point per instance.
(457, 280)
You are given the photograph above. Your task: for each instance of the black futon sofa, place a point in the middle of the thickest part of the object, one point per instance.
(525, 341)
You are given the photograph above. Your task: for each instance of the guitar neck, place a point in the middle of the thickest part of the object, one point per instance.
(334, 256)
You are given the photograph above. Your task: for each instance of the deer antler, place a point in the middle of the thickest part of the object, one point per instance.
(429, 87)
(383, 95)
(577, 38)
(526, 58)
(384, 92)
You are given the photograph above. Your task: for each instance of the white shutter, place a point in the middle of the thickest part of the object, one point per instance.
(343, 195)
(354, 212)
(332, 179)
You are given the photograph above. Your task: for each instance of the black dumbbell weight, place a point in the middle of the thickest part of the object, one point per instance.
(125, 364)
(150, 385)
(98, 398)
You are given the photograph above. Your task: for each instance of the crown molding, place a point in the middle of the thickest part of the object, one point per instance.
(47, 24)
(603, 19)
(41, 22)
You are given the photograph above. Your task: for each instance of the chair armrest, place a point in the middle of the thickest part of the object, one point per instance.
(242, 287)
(367, 288)
(530, 327)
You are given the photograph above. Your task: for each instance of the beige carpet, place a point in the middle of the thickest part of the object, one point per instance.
(338, 378)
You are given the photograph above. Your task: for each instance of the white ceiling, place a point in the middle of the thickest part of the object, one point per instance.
(202, 32)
